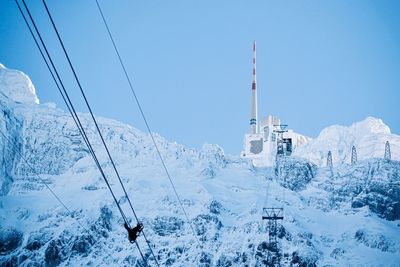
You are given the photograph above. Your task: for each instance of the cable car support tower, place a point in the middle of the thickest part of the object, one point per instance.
(272, 215)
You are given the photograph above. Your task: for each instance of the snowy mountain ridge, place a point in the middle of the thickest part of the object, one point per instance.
(345, 216)
(368, 136)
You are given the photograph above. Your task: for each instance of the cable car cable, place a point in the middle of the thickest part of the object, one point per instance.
(51, 190)
(73, 112)
(147, 124)
(72, 107)
(80, 127)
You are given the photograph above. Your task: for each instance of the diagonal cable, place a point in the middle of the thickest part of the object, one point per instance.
(71, 108)
(51, 190)
(147, 124)
(74, 114)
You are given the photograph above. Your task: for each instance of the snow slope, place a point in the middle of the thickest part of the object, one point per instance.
(345, 216)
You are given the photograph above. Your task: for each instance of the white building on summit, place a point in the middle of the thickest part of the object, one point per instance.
(269, 138)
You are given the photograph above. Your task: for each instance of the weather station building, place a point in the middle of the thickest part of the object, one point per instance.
(268, 139)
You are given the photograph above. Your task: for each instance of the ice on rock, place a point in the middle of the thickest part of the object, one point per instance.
(17, 86)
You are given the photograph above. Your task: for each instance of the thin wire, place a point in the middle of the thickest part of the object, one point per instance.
(82, 131)
(267, 189)
(88, 106)
(55, 80)
(73, 112)
(147, 124)
(96, 124)
(284, 197)
(51, 190)
(141, 254)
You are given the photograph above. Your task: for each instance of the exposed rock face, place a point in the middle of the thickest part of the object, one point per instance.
(10, 146)
(167, 225)
(377, 241)
(37, 240)
(294, 173)
(67, 246)
(10, 240)
(381, 191)
(374, 183)
(214, 159)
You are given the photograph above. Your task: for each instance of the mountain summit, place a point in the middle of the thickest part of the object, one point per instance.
(368, 136)
(17, 86)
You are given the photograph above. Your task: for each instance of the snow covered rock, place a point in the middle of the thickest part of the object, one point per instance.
(17, 86)
(374, 240)
(10, 240)
(214, 158)
(381, 189)
(344, 216)
(373, 183)
(368, 136)
(294, 173)
(167, 225)
(50, 152)
(10, 145)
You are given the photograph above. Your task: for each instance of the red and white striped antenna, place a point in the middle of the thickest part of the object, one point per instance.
(253, 119)
(254, 85)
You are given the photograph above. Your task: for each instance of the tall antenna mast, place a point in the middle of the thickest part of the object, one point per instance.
(253, 119)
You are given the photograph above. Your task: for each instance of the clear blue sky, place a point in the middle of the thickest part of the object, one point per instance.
(319, 62)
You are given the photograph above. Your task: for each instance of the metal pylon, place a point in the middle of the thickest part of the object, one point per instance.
(272, 215)
(353, 155)
(329, 160)
(388, 154)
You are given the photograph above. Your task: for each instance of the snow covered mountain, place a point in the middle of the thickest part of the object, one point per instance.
(368, 136)
(345, 216)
